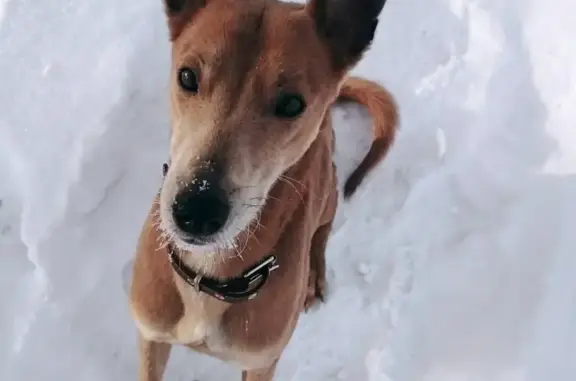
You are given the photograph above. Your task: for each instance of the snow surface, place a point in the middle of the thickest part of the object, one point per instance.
(454, 263)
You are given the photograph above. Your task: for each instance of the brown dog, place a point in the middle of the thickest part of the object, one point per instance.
(233, 248)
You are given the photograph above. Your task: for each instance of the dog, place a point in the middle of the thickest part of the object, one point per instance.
(233, 248)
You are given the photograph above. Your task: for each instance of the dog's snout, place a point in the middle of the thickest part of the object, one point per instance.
(201, 210)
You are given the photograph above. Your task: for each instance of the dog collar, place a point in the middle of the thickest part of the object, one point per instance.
(233, 290)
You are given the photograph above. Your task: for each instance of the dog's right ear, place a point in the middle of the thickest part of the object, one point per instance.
(180, 13)
(346, 26)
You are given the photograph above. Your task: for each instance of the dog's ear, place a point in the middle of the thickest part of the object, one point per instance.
(179, 13)
(347, 27)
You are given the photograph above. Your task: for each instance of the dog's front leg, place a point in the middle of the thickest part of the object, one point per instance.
(264, 374)
(317, 277)
(153, 359)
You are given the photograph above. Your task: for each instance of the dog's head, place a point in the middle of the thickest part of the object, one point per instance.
(251, 81)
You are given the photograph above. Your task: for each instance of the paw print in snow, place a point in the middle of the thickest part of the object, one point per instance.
(367, 271)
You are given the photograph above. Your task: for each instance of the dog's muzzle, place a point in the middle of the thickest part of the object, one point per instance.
(201, 209)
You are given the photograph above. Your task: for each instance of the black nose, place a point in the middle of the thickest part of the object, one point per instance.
(201, 211)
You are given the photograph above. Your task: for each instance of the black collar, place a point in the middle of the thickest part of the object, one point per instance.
(233, 290)
(241, 288)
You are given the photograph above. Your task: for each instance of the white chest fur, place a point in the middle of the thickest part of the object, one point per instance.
(199, 324)
(201, 319)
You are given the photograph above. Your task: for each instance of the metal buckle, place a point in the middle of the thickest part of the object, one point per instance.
(270, 262)
(196, 282)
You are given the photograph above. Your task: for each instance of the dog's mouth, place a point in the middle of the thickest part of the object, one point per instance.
(224, 236)
(203, 217)
(194, 241)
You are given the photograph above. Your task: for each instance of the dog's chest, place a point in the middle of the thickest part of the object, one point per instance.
(200, 323)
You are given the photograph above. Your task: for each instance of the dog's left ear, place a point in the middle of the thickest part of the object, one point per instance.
(347, 27)
(181, 12)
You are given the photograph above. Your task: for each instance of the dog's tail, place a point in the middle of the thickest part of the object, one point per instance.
(382, 107)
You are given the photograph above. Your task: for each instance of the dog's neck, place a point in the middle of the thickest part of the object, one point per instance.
(243, 287)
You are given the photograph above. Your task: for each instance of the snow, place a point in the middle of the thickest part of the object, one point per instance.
(453, 263)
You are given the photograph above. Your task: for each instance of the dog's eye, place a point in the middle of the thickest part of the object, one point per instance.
(289, 106)
(188, 80)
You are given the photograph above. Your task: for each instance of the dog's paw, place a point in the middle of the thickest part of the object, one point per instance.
(315, 293)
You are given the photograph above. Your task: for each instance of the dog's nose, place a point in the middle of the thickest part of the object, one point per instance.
(201, 211)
